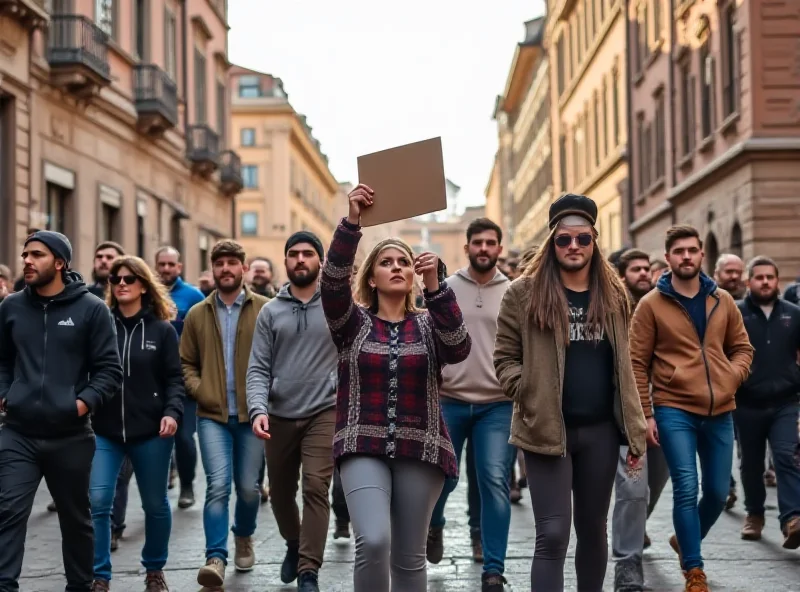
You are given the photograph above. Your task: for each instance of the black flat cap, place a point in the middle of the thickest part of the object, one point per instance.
(570, 204)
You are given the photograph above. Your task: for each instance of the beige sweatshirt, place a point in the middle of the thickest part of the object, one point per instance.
(474, 380)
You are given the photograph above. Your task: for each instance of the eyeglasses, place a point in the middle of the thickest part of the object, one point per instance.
(584, 239)
(128, 280)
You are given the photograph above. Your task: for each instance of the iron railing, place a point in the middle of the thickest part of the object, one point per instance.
(75, 40)
(155, 92)
(202, 144)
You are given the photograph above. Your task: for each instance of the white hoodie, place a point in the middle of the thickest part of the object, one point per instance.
(474, 380)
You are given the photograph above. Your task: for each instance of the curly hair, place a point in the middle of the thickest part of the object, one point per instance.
(156, 297)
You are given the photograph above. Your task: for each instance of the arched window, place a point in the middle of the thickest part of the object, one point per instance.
(712, 252)
(736, 239)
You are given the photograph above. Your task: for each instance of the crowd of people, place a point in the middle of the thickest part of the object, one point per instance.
(560, 370)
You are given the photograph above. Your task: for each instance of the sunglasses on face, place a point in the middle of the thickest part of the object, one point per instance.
(565, 240)
(128, 280)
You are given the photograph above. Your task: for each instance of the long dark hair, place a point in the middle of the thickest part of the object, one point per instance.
(548, 307)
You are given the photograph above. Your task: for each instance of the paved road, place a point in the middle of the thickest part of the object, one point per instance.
(732, 564)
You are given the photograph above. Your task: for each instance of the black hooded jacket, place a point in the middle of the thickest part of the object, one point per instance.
(774, 375)
(152, 385)
(54, 351)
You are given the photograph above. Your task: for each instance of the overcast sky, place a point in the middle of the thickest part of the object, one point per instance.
(371, 75)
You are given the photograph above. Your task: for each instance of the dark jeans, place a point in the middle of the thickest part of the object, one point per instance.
(65, 464)
(683, 437)
(473, 494)
(185, 445)
(585, 474)
(339, 503)
(120, 508)
(778, 425)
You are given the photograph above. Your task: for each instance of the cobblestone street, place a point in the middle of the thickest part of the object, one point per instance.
(732, 564)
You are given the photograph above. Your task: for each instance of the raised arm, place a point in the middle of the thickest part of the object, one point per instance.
(105, 368)
(342, 314)
(643, 342)
(259, 369)
(508, 345)
(453, 342)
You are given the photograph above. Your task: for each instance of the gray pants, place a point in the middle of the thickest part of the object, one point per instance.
(390, 503)
(635, 498)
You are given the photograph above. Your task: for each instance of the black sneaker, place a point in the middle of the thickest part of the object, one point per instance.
(628, 577)
(492, 582)
(342, 530)
(307, 582)
(289, 567)
(186, 499)
(435, 547)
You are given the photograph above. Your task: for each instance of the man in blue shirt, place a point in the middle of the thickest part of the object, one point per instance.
(184, 296)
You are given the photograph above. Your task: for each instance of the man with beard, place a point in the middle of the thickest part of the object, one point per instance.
(104, 255)
(767, 404)
(291, 397)
(635, 496)
(184, 296)
(474, 406)
(688, 340)
(215, 345)
(58, 363)
(261, 277)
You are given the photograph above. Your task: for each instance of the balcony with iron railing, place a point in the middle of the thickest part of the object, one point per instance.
(230, 172)
(30, 13)
(156, 98)
(77, 51)
(202, 149)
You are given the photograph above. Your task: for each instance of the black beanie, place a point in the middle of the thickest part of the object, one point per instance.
(58, 244)
(304, 236)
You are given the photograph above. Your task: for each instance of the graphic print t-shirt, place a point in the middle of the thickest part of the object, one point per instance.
(588, 391)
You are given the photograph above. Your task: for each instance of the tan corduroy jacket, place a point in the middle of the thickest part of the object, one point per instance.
(530, 366)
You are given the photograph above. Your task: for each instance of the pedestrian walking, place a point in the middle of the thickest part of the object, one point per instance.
(474, 405)
(766, 403)
(140, 423)
(58, 364)
(391, 442)
(291, 398)
(562, 356)
(215, 350)
(635, 494)
(689, 341)
(184, 296)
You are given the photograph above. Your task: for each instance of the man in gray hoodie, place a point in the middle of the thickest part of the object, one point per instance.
(291, 397)
(474, 405)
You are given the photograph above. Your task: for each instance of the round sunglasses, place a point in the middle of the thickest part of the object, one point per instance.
(584, 239)
(128, 280)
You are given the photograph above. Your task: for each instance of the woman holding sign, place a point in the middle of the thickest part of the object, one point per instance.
(390, 444)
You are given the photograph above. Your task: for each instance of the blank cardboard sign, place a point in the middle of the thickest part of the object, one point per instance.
(408, 181)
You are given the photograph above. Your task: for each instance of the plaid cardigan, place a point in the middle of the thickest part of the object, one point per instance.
(389, 373)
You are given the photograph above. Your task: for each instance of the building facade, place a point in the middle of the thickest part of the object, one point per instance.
(523, 116)
(127, 115)
(586, 41)
(722, 155)
(287, 183)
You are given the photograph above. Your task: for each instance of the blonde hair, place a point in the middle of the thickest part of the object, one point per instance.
(156, 296)
(363, 292)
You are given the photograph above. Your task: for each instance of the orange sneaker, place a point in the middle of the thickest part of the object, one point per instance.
(696, 580)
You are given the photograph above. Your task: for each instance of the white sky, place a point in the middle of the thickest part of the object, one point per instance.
(372, 74)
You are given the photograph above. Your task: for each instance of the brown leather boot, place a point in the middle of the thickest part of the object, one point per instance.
(696, 580)
(791, 533)
(753, 525)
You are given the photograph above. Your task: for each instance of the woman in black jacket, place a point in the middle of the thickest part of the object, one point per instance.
(141, 420)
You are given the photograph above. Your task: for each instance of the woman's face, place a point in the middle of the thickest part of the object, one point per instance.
(126, 286)
(393, 272)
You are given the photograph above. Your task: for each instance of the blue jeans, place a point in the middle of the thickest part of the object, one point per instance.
(231, 453)
(150, 460)
(487, 426)
(185, 445)
(684, 436)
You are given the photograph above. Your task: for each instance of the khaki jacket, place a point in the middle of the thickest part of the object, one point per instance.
(700, 378)
(203, 359)
(530, 367)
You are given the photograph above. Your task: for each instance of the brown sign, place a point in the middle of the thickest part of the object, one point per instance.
(408, 181)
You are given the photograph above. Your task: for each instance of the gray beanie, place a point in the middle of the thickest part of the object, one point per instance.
(58, 244)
